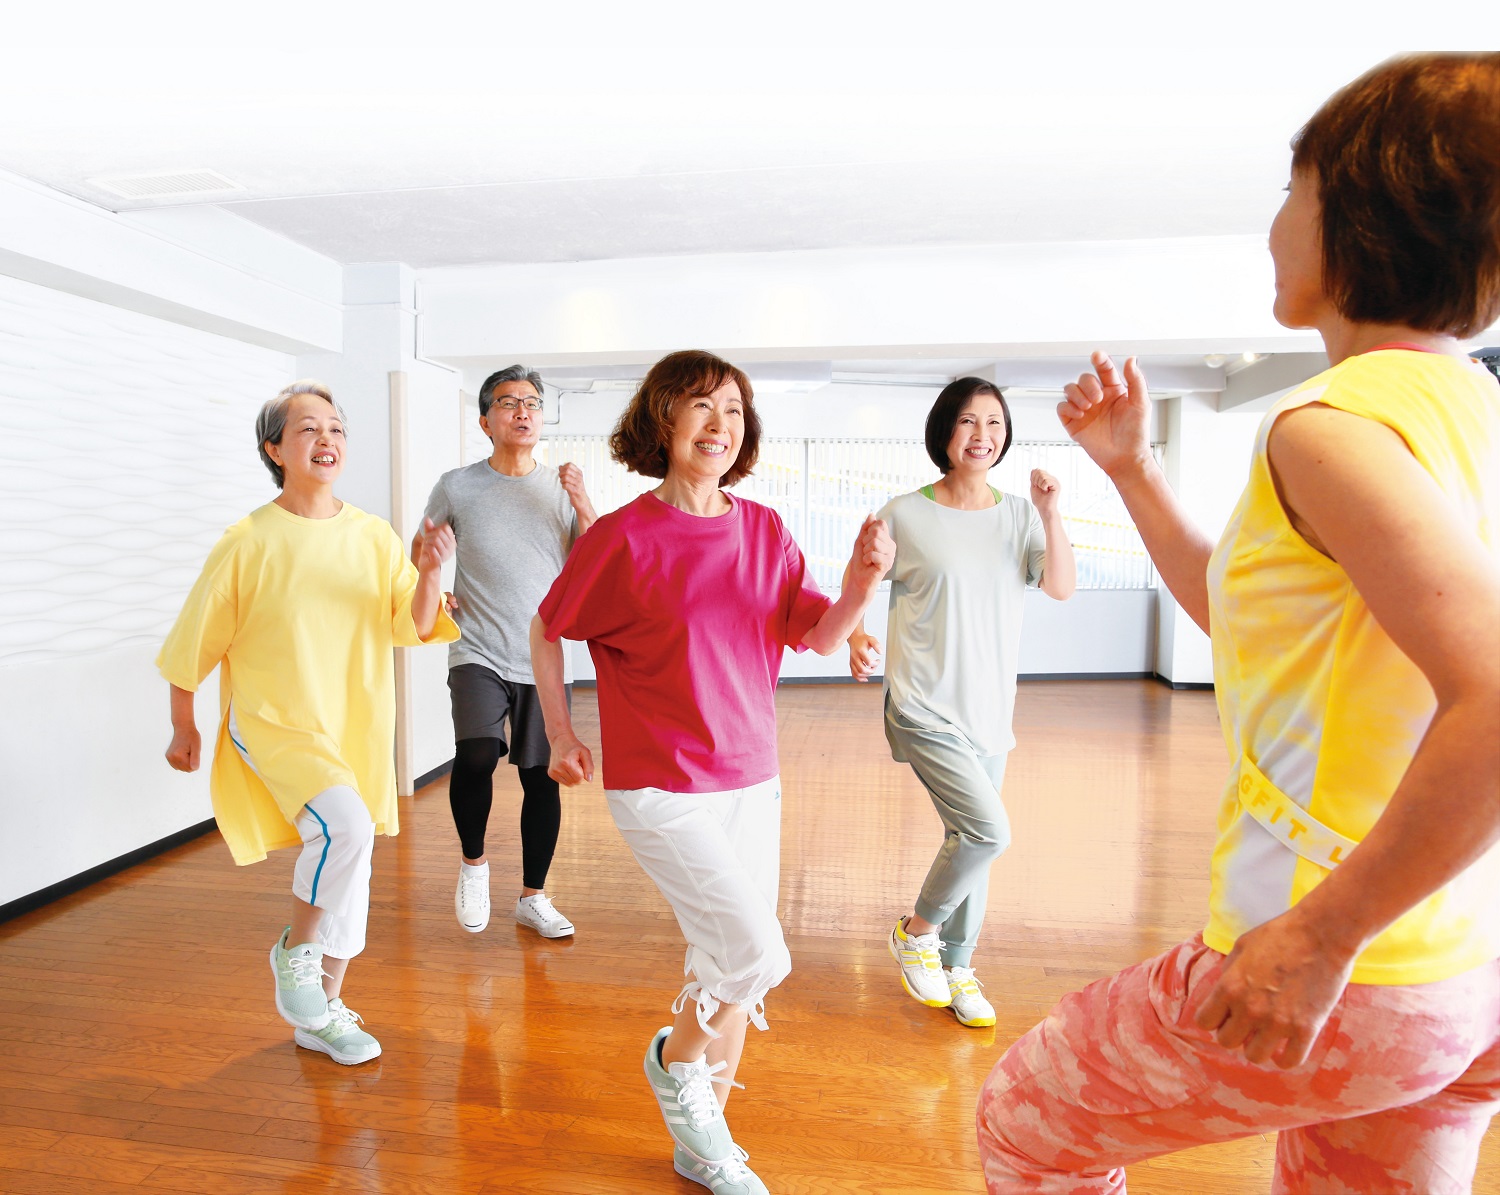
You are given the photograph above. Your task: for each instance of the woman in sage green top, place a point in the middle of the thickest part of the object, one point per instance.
(965, 555)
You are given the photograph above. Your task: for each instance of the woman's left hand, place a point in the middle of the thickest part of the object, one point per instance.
(1045, 491)
(436, 546)
(1277, 988)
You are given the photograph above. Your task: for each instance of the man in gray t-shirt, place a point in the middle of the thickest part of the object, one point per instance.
(515, 520)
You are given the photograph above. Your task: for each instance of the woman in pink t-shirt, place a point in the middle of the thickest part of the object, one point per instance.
(687, 597)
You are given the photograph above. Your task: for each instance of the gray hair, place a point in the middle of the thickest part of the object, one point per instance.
(270, 424)
(511, 373)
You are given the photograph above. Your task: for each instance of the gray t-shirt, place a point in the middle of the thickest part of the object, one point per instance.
(513, 535)
(958, 588)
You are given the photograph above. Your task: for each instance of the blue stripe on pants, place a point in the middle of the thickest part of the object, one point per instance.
(318, 874)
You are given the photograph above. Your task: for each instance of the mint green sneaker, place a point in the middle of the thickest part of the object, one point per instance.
(299, 983)
(341, 1039)
(729, 1177)
(685, 1093)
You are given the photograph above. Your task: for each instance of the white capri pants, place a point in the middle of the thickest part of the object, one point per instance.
(332, 871)
(716, 857)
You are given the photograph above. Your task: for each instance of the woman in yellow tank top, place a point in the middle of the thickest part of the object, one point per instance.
(1345, 991)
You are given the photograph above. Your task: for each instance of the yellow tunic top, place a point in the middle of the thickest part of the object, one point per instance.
(1321, 711)
(300, 616)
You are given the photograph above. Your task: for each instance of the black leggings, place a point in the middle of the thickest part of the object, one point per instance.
(471, 791)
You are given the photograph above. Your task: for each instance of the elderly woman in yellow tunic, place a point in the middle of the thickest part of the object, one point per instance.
(298, 606)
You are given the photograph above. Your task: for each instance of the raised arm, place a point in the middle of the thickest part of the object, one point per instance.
(572, 762)
(1060, 573)
(873, 554)
(864, 648)
(1357, 494)
(571, 477)
(1109, 415)
(436, 546)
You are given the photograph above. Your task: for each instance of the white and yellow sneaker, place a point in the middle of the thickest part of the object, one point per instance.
(969, 1004)
(921, 968)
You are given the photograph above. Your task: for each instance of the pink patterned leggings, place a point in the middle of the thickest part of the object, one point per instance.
(1395, 1094)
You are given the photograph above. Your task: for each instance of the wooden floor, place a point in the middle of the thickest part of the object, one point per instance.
(139, 1050)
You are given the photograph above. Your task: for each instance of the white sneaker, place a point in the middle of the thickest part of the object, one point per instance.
(921, 968)
(471, 902)
(537, 912)
(729, 1177)
(969, 1006)
(341, 1039)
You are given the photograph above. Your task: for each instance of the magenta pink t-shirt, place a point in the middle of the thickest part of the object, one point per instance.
(686, 618)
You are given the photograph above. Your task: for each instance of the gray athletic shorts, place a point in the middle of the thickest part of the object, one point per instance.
(483, 701)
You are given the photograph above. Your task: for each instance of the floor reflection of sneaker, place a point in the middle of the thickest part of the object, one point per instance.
(921, 968)
(729, 1177)
(538, 912)
(685, 1093)
(299, 983)
(471, 902)
(969, 1004)
(341, 1039)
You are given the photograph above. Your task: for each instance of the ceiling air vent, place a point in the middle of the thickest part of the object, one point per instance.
(166, 184)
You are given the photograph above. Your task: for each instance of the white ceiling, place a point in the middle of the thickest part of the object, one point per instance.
(444, 157)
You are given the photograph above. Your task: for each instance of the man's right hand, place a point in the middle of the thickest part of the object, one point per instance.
(572, 762)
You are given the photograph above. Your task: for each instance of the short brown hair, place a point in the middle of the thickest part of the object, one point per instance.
(1407, 163)
(640, 439)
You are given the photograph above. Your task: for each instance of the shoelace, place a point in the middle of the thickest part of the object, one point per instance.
(922, 949)
(475, 888)
(697, 1094)
(345, 1018)
(544, 910)
(306, 971)
(733, 1169)
(964, 979)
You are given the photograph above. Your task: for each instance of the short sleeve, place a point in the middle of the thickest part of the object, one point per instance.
(404, 577)
(1036, 547)
(804, 603)
(439, 507)
(591, 597)
(205, 627)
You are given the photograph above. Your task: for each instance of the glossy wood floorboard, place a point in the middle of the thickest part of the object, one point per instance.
(139, 1050)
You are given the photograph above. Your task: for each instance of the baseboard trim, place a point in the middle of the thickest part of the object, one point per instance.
(427, 778)
(45, 896)
(1192, 686)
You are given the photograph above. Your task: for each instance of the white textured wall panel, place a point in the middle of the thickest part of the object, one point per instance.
(126, 447)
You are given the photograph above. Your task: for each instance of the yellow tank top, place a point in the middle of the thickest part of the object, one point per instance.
(1321, 712)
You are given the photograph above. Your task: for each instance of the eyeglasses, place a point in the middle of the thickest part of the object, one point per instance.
(511, 404)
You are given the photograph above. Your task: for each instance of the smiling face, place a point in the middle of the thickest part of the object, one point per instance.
(509, 423)
(706, 434)
(312, 445)
(1296, 245)
(979, 435)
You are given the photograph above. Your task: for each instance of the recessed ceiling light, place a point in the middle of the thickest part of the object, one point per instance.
(1250, 358)
(165, 184)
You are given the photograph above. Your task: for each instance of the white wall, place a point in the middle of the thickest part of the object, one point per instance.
(126, 447)
(1207, 461)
